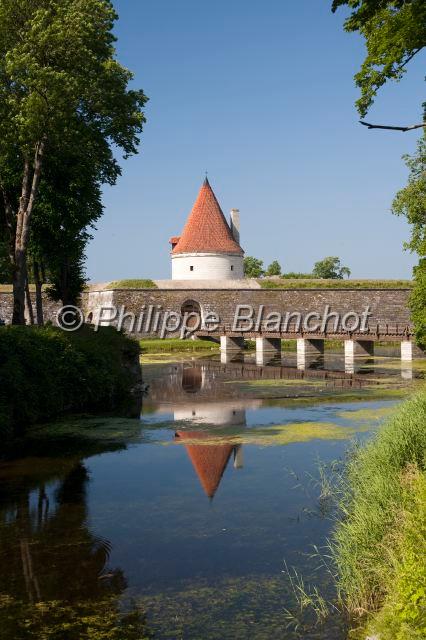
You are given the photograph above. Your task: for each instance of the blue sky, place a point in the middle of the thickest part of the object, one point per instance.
(261, 95)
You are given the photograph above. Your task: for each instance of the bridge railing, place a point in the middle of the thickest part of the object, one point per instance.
(376, 331)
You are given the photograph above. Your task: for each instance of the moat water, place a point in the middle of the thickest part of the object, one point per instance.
(186, 523)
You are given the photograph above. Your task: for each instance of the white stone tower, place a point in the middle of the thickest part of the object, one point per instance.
(209, 248)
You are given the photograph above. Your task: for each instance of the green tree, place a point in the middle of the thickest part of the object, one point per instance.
(274, 269)
(330, 268)
(394, 32)
(60, 84)
(411, 200)
(253, 267)
(68, 206)
(5, 275)
(411, 203)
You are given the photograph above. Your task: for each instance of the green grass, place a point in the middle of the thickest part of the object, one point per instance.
(175, 345)
(379, 544)
(403, 615)
(312, 283)
(132, 284)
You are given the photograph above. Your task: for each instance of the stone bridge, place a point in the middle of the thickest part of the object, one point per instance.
(388, 315)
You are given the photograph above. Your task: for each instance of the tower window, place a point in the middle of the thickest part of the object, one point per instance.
(191, 268)
(232, 267)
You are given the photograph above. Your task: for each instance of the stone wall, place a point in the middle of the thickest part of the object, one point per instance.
(6, 307)
(386, 305)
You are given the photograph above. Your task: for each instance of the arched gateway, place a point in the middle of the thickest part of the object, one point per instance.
(192, 310)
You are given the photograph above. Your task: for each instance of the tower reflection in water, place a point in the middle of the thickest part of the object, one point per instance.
(211, 456)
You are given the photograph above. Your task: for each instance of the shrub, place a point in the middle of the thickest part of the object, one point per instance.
(418, 303)
(46, 371)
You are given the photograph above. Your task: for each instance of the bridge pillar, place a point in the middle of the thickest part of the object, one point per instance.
(226, 357)
(268, 347)
(308, 351)
(228, 344)
(407, 370)
(355, 348)
(406, 351)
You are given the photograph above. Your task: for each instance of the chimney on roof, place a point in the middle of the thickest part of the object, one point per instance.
(235, 224)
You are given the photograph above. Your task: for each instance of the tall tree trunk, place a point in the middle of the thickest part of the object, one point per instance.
(19, 277)
(39, 298)
(30, 185)
(65, 293)
(29, 304)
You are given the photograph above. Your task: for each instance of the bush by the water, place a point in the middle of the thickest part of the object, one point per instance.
(45, 372)
(380, 543)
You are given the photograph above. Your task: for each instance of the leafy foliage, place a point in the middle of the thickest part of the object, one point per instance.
(253, 267)
(330, 268)
(411, 203)
(411, 200)
(394, 32)
(274, 269)
(418, 303)
(46, 371)
(63, 95)
(68, 206)
(5, 274)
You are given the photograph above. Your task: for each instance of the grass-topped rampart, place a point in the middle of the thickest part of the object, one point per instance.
(144, 283)
(315, 283)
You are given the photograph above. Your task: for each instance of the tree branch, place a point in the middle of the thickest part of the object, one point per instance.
(381, 126)
(409, 58)
(38, 163)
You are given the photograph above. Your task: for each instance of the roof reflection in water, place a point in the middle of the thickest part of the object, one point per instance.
(209, 460)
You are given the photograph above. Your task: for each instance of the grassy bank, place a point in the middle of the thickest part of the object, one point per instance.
(312, 283)
(380, 543)
(46, 372)
(175, 345)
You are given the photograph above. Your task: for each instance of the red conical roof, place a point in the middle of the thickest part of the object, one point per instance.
(206, 230)
(209, 461)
